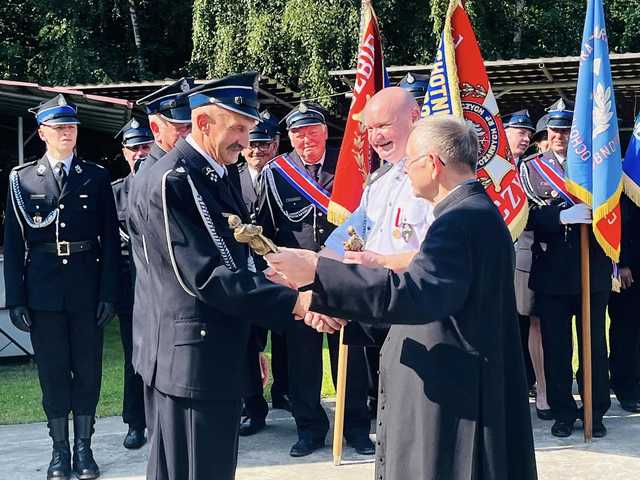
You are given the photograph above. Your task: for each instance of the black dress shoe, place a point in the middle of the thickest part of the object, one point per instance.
(632, 406)
(251, 427)
(599, 430)
(60, 466)
(135, 438)
(362, 444)
(305, 447)
(281, 402)
(562, 429)
(545, 414)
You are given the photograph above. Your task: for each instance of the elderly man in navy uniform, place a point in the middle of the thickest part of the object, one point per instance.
(204, 287)
(61, 278)
(169, 120)
(291, 220)
(262, 148)
(136, 144)
(555, 279)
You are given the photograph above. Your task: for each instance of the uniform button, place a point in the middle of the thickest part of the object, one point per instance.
(203, 333)
(320, 214)
(65, 261)
(62, 225)
(379, 424)
(62, 206)
(84, 206)
(321, 230)
(97, 259)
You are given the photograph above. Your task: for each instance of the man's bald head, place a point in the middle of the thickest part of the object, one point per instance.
(388, 117)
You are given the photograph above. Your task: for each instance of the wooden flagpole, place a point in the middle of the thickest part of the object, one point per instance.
(341, 388)
(586, 334)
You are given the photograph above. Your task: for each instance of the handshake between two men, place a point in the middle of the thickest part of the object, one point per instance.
(296, 268)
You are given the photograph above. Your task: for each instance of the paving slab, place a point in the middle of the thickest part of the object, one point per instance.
(25, 453)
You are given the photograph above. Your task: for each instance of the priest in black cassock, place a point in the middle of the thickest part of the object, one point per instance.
(453, 397)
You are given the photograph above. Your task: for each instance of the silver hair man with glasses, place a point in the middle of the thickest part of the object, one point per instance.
(453, 401)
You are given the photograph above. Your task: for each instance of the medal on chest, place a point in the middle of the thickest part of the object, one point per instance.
(401, 229)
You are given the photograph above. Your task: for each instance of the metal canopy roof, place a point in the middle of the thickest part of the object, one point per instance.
(96, 112)
(535, 83)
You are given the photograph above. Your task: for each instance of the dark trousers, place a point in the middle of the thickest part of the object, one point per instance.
(279, 368)
(255, 405)
(194, 439)
(149, 409)
(68, 351)
(524, 340)
(624, 343)
(305, 384)
(556, 312)
(133, 399)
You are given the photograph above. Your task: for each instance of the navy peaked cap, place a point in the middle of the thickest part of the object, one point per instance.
(237, 93)
(56, 111)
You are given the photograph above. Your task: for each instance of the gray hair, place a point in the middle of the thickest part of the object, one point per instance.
(451, 137)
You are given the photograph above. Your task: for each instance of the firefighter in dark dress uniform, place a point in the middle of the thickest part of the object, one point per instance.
(61, 278)
(169, 117)
(556, 281)
(291, 220)
(136, 144)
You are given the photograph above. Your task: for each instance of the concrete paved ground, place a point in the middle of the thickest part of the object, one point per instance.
(25, 453)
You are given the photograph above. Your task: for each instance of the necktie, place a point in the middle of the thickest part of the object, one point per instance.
(61, 175)
(313, 170)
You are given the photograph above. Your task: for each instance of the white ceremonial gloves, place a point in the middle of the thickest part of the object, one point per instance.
(580, 213)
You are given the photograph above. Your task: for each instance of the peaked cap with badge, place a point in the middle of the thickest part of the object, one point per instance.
(519, 119)
(135, 132)
(416, 84)
(237, 93)
(267, 128)
(560, 115)
(170, 101)
(56, 111)
(304, 115)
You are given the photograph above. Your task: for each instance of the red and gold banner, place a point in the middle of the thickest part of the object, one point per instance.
(459, 85)
(354, 161)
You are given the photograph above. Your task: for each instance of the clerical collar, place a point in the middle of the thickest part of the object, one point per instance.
(66, 162)
(221, 170)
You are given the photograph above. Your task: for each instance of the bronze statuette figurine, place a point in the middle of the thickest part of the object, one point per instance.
(251, 234)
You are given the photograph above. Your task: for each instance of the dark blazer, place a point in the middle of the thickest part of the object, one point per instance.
(630, 249)
(555, 266)
(240, 176)
(195, 340)
(143, 294)
(310, 233)
(121, 195)
(43, 280)
(452, 399)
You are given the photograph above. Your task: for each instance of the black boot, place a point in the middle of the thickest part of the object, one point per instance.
(60, 466)
(84, 466)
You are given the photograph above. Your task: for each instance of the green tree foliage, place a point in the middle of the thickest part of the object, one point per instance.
(294, 41)
(299, 41)
(85, 41)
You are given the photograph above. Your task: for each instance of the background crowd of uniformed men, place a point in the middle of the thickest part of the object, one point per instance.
(68, 269)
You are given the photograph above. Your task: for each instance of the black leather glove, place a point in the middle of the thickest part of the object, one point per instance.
(21, 318)
(106, 311)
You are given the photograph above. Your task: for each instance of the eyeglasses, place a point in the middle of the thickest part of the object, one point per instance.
(411, 161)
(260, 145)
